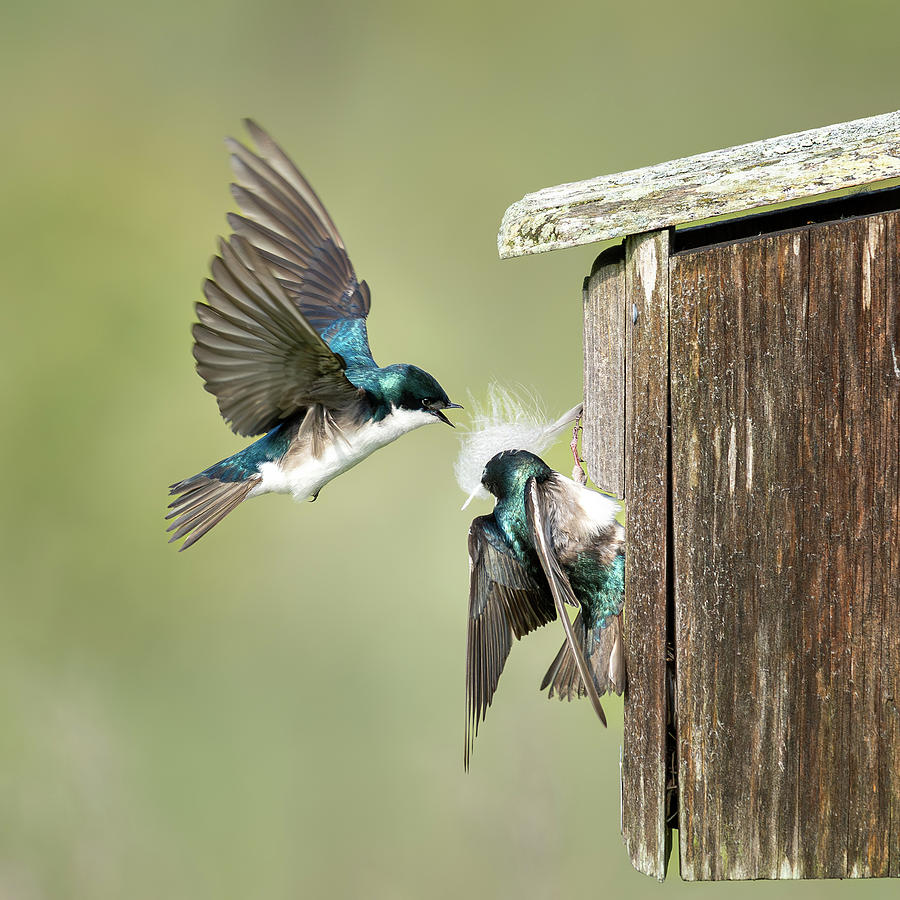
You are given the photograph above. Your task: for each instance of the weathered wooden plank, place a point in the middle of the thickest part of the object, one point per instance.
(748, 176)
(856, 251)
(734, 361)
(785, 488)
(644, 827)
(823, 681)
(848, 264)
(604, 371)
(871, 847)
(823, 684)
(766, 666)
(886, 375)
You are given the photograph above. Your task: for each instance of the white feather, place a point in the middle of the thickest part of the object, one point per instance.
(509, 421)
(305, 475)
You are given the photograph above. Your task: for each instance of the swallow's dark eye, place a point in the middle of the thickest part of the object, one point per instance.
(428, 403)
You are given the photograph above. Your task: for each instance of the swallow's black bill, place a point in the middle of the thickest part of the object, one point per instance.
(442, 417)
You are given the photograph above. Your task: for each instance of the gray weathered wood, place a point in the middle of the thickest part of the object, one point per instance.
(847, 758)
(748, 176)
(886, 372)
(736, 636)
(604, 372)
(786, 534)
(647, 836)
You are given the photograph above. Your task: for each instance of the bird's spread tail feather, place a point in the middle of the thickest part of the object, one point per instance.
(605, 654)
(201, 503)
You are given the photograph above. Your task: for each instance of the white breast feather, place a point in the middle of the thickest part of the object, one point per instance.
(596, 507)
(581, 515)
(309, 474)
(508, 422)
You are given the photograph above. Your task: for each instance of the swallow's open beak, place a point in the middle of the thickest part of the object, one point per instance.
(442, 417)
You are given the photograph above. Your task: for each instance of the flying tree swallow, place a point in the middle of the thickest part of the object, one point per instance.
(282, 344)
(550, 542)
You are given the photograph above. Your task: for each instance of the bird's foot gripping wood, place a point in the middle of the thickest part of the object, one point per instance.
(578, 473)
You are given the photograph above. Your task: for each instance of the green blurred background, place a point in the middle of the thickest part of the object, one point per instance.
(278, 712)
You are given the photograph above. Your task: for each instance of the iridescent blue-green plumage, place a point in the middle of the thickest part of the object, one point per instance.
(506, 476)
(599, 585)
(245, 463)
(399, 386)
(349, 339)
(282, 343)
(600, 588)
(548, 541)
(598, 625)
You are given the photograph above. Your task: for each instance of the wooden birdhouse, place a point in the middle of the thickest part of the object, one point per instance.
(742, 393)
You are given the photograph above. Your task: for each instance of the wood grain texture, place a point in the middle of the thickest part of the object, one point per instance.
(852, 297)
(886, 379)
(604, 372)
(786, 533)
(647, 836)
(736, 179)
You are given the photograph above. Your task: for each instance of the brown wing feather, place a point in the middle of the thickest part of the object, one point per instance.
(255, 350)
(559, 584)
(293, 232)
(505, 602)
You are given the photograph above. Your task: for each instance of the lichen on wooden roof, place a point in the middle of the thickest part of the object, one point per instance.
(778, 170)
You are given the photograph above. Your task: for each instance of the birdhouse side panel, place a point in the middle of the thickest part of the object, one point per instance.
(853, 292)
(646, 788)
(604, 372)
(786, 537)
(735, 496)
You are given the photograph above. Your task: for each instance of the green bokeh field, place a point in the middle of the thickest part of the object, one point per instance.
(278, 712)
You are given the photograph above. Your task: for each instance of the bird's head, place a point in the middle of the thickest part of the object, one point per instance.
(508, 472)
(415, 389)
(508, 419)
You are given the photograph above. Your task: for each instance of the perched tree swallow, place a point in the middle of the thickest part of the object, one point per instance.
(550, 542)
(282, 345)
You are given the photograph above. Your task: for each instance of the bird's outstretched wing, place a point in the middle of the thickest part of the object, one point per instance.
(539, 521)
(256, 352)
(505, 602)
(290, 227)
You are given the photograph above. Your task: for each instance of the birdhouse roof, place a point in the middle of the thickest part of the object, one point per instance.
(723, 182)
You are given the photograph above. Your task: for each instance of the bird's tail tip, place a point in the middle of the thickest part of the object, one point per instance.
(200, 503)
(605, 658)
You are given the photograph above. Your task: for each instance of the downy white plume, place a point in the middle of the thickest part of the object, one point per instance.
(509, 421)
